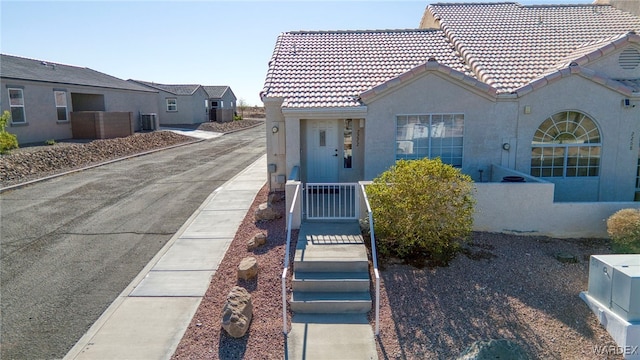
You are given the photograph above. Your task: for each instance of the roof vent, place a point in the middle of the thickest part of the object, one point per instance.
(629, 58)
(432, 59)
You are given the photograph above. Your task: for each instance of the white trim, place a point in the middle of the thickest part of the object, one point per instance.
(326, 113)
(11, 106)
(58, 106)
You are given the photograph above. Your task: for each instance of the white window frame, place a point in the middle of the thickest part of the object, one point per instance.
(172, 104)
(407, 137)
(13, 106)
(61, 106)
(557, 140)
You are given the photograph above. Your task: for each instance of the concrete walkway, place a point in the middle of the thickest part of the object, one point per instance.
(330, 301)
(200, 134)
(149, 318)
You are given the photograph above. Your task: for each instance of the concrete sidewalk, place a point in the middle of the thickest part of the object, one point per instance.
(149, 318)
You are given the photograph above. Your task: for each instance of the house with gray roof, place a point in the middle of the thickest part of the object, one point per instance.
(180, 104)
(222, 103)
(42, 95)
(549, 95)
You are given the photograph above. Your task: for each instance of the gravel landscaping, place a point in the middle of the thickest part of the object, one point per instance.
(501, 287)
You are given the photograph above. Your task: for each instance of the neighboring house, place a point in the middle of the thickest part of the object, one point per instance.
(180, 104)
(41, 95)
(222, 103)
(551, 93)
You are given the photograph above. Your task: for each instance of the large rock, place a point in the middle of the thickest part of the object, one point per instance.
(248, 268)
(258, 240)
(237, 312)
(494, 349)
(275, 197)
(266, 212)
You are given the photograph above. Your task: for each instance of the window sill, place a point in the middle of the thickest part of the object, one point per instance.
(19, 124)
(62, 122)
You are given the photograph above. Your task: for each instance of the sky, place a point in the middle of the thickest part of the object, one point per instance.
(205, 42)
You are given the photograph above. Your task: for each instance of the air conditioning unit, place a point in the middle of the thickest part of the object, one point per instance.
(614, 281)
(148, 121)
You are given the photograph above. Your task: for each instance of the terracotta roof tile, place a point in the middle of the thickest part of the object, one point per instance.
(495, 47)
(332, 68)
(508, 45)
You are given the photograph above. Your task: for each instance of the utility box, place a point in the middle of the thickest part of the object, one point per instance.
(149, 121)
(614, 281)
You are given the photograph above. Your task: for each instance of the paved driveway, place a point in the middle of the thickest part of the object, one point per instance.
(70, 245)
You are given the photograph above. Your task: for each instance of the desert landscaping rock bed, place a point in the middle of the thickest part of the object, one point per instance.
(35, 162)
(502, 287)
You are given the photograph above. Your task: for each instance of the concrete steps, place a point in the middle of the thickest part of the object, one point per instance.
(331, 281)
(331, 270)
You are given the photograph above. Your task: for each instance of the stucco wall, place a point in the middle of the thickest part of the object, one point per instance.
(276, 153)
(528, 209)
(41, 114)
(619, 129)
(487, 122)
(191, 108)
(610, 65)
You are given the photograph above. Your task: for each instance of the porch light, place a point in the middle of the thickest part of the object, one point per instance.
(274, 129)
(506, 146)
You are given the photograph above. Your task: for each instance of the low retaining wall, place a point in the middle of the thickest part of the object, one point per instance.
(101, 124)
(528, 209)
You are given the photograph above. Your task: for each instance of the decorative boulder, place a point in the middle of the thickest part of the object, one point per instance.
(258, 240)
(237, 312)
(274, 198)
(248, 268)
(494, 349)
(266, 212)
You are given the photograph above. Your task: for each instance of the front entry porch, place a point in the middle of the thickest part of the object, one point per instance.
(330, 296)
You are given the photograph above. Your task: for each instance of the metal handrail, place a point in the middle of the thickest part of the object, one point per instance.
(285, 329)
(374, 258)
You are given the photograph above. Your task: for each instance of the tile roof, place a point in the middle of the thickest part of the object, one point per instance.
(20, 68)
(215, 91)
(332, 68)
(172, 89)
(495, 47)
(596, 49)
(507, 45)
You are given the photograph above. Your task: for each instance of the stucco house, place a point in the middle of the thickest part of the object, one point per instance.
(43, 95)
(550, 94)
(222, 103)
(179, 104)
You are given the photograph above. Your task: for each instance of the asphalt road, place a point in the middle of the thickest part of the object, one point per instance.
(70, 245)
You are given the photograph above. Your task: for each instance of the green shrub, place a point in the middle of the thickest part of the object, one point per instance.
(7, 141)
(423, 211)
(624, 229)
(50, 142)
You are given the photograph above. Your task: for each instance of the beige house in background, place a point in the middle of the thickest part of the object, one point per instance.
(549, 94)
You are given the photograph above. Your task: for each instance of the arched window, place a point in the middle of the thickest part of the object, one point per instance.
(566, 144)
